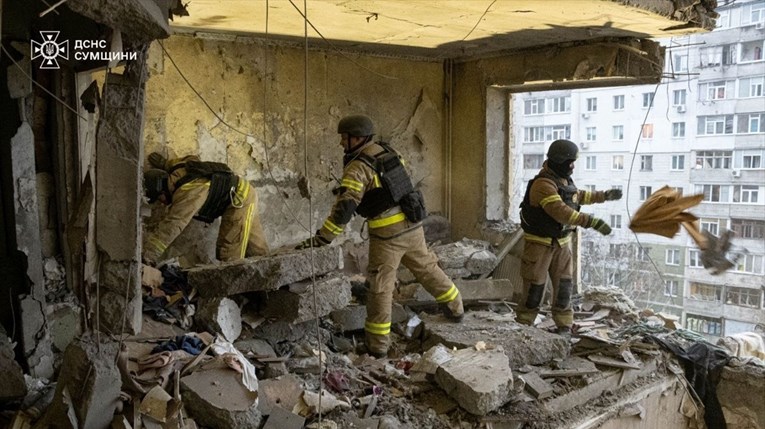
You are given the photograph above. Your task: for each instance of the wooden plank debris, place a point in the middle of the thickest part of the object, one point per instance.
(539, 388)
(551, 373)
(616, 363)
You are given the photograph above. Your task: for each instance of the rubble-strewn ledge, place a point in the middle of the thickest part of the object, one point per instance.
(264, 273)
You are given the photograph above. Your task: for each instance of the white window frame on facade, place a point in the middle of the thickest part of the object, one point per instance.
(678, 162)
(646, 162)
(533, 134)
(618, 102)
(672, 257)
(643, 254)
(591, 162)
(645, 192)
(711, 225)
(648, 99)
(559, 104)
(723, 21)
(743, 297)
(713, 193)
(694, 258)
(671, 287)
(752, 160)
(646, 131)
(617, 162)
(714, 159)
(748, 228)
(716, 125)
(716, 90)
(751, 87)
(592, 134)
(616, 221)
(680, 62)
(592, 104)
(679, 97)
(753, 13)
(533, 161)
(749, 264)
(710, 56)
(558, 132)
(752, 51)
(617, 132)
(678, 130)
(750, 123)
(746, 194)
(535, 106)
(590, 188)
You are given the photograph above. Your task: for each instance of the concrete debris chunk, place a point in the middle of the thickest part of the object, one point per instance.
(432, 359)
(466, 258)
(610, 297)
(309, 403)
(13, 385)
(265, 273)
(218, 399)
(283, 419)
(524, 345)
(480, 381)
(538, 387)
(296, 303)
(221, 315)
(471, 291)
(282, 392)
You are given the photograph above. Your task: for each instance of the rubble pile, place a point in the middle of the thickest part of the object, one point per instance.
(267, 347)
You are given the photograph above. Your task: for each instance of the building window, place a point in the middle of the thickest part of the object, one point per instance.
(712, 90)
(645, 192)
(548, 133)
(751, 161)
(706, 292)
(694, 258)
(678, 129)
(729, 55)
(711, 225)
(715, 125)
(673, 257)
(751, 87)
(559, 104)
(589, 188)
(643, 254)
(748, 228)
(714, 193)
(678, 189)
(750, 123)
(533, 134)
(617, 162)
(678, 97)
(716, 159)
(743, 297)
(753, 13)
(746, 194)
(678, 162)
(710, 57)
(647, 99)
(588, 247)
(749, 264)
(680, 62)
(671, 287)
(647, 131)
(534, 107)
(751, 51)
(704, 325)
(616, 221)
(614, 278)
(533, 161)
(618, 132)
(591, 163)
(592, 133)
(723, 21)
(592, 104)
(646, 162)
(618, 102)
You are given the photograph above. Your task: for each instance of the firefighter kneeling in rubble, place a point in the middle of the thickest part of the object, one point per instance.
(375, 185)
(549, 216)
(203, 191)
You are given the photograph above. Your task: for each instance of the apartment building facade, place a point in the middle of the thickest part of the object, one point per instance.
(701, 131)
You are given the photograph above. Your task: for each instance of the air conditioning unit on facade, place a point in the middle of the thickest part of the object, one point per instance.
(681, 108)
(583, 145)
(760, 25)
(585, 115)
(736, 173)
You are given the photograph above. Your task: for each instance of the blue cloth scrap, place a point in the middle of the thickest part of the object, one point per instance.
(189, 344)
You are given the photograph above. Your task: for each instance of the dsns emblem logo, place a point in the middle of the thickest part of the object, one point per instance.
(50, 49)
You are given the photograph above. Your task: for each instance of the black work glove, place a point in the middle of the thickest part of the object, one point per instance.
(600, 226)
(315, 241)
(157, 161)
(613, 194)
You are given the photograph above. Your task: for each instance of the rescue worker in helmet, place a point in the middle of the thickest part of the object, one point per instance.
(375, 185)
(205, 191)
(549, 215)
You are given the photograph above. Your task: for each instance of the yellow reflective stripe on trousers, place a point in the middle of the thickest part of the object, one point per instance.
(352, 184)
(537, 239)
(331, 227)
(157, 244)
(449, 295)
(377, 328)
(390, 220)
(241, 193)
(246, 231)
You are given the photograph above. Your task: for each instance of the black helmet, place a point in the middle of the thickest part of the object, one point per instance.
(561, 151)
(356, 125)
(155, 183)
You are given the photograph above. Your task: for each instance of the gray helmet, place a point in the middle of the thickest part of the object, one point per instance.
(155, 183)
(356, 125)
(561, 151)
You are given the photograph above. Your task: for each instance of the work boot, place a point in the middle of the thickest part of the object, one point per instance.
(363, 349)
(565, 332)
(454, 310)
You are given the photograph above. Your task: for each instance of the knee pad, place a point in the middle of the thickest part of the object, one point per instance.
(565, 288)
(534, 297)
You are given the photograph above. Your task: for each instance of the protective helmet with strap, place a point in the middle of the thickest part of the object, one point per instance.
(356, 125)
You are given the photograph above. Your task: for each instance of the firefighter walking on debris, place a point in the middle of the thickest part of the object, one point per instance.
(375, 185)
(549, 216)
(203, 191)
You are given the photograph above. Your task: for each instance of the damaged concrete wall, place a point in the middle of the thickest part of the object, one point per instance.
(403, 97)
(557, 67)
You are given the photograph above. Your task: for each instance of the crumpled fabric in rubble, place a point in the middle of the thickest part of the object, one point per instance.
(187, 343)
